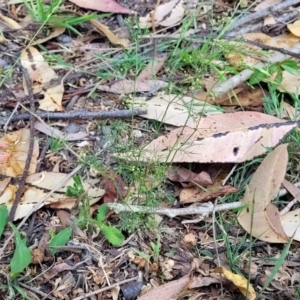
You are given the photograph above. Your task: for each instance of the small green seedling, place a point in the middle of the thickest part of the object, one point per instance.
(22, 256)
(112, 234)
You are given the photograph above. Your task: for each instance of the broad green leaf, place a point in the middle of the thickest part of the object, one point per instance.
(3, 218)
(256, 77)
(290, 63)
(22, 255)
(60, 239)
(112, 234)
(102, 211)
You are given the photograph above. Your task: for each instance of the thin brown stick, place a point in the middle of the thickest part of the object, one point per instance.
(106, 288)
(30, 150)
(100, 115)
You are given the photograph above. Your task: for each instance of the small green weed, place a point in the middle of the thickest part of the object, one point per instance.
(50, 14)
(56, 145)
(22, 255)
(112, 234)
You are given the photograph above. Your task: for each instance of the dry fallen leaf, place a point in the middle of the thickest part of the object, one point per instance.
(175, 110)
(130, 86)
(10, 22)
(196, 194)
(167, 290)
(103, 5)
(41, 75)
(241, 96)
(291, 224)
(56, 31)
(56, 133)
(239, 281)
(109, 34)
(166, 14)
(294, 28)
(39, 185)
(188, 178)
(152, 68)
(254, 218)
(13, 153)
(245, 134)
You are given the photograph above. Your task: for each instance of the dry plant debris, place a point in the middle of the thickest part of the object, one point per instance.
(149, 150)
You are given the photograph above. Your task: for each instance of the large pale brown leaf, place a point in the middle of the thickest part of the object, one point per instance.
(167, 290)
(41, 74)
(103, 5)
(38, 185)
(262, 189)
(291, 224)
(130, 86)
(233, 137)
(175, 110)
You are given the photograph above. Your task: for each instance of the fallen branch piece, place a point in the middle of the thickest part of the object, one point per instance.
(82, 114)
(199, 210)
(233, 82)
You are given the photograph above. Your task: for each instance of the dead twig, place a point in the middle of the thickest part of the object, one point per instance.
(29, 153)
(200, 210)
(262, 13)
(100, 115)
(227, 86)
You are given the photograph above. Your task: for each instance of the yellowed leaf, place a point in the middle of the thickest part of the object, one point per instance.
(294, 28)
(110, 35)
(41, 75)
(10, 22)
(13, 153)
(56, 31)
(240, 282)
(258, 196)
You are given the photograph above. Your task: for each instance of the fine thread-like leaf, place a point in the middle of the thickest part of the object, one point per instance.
(60, 239)
(22, 256)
